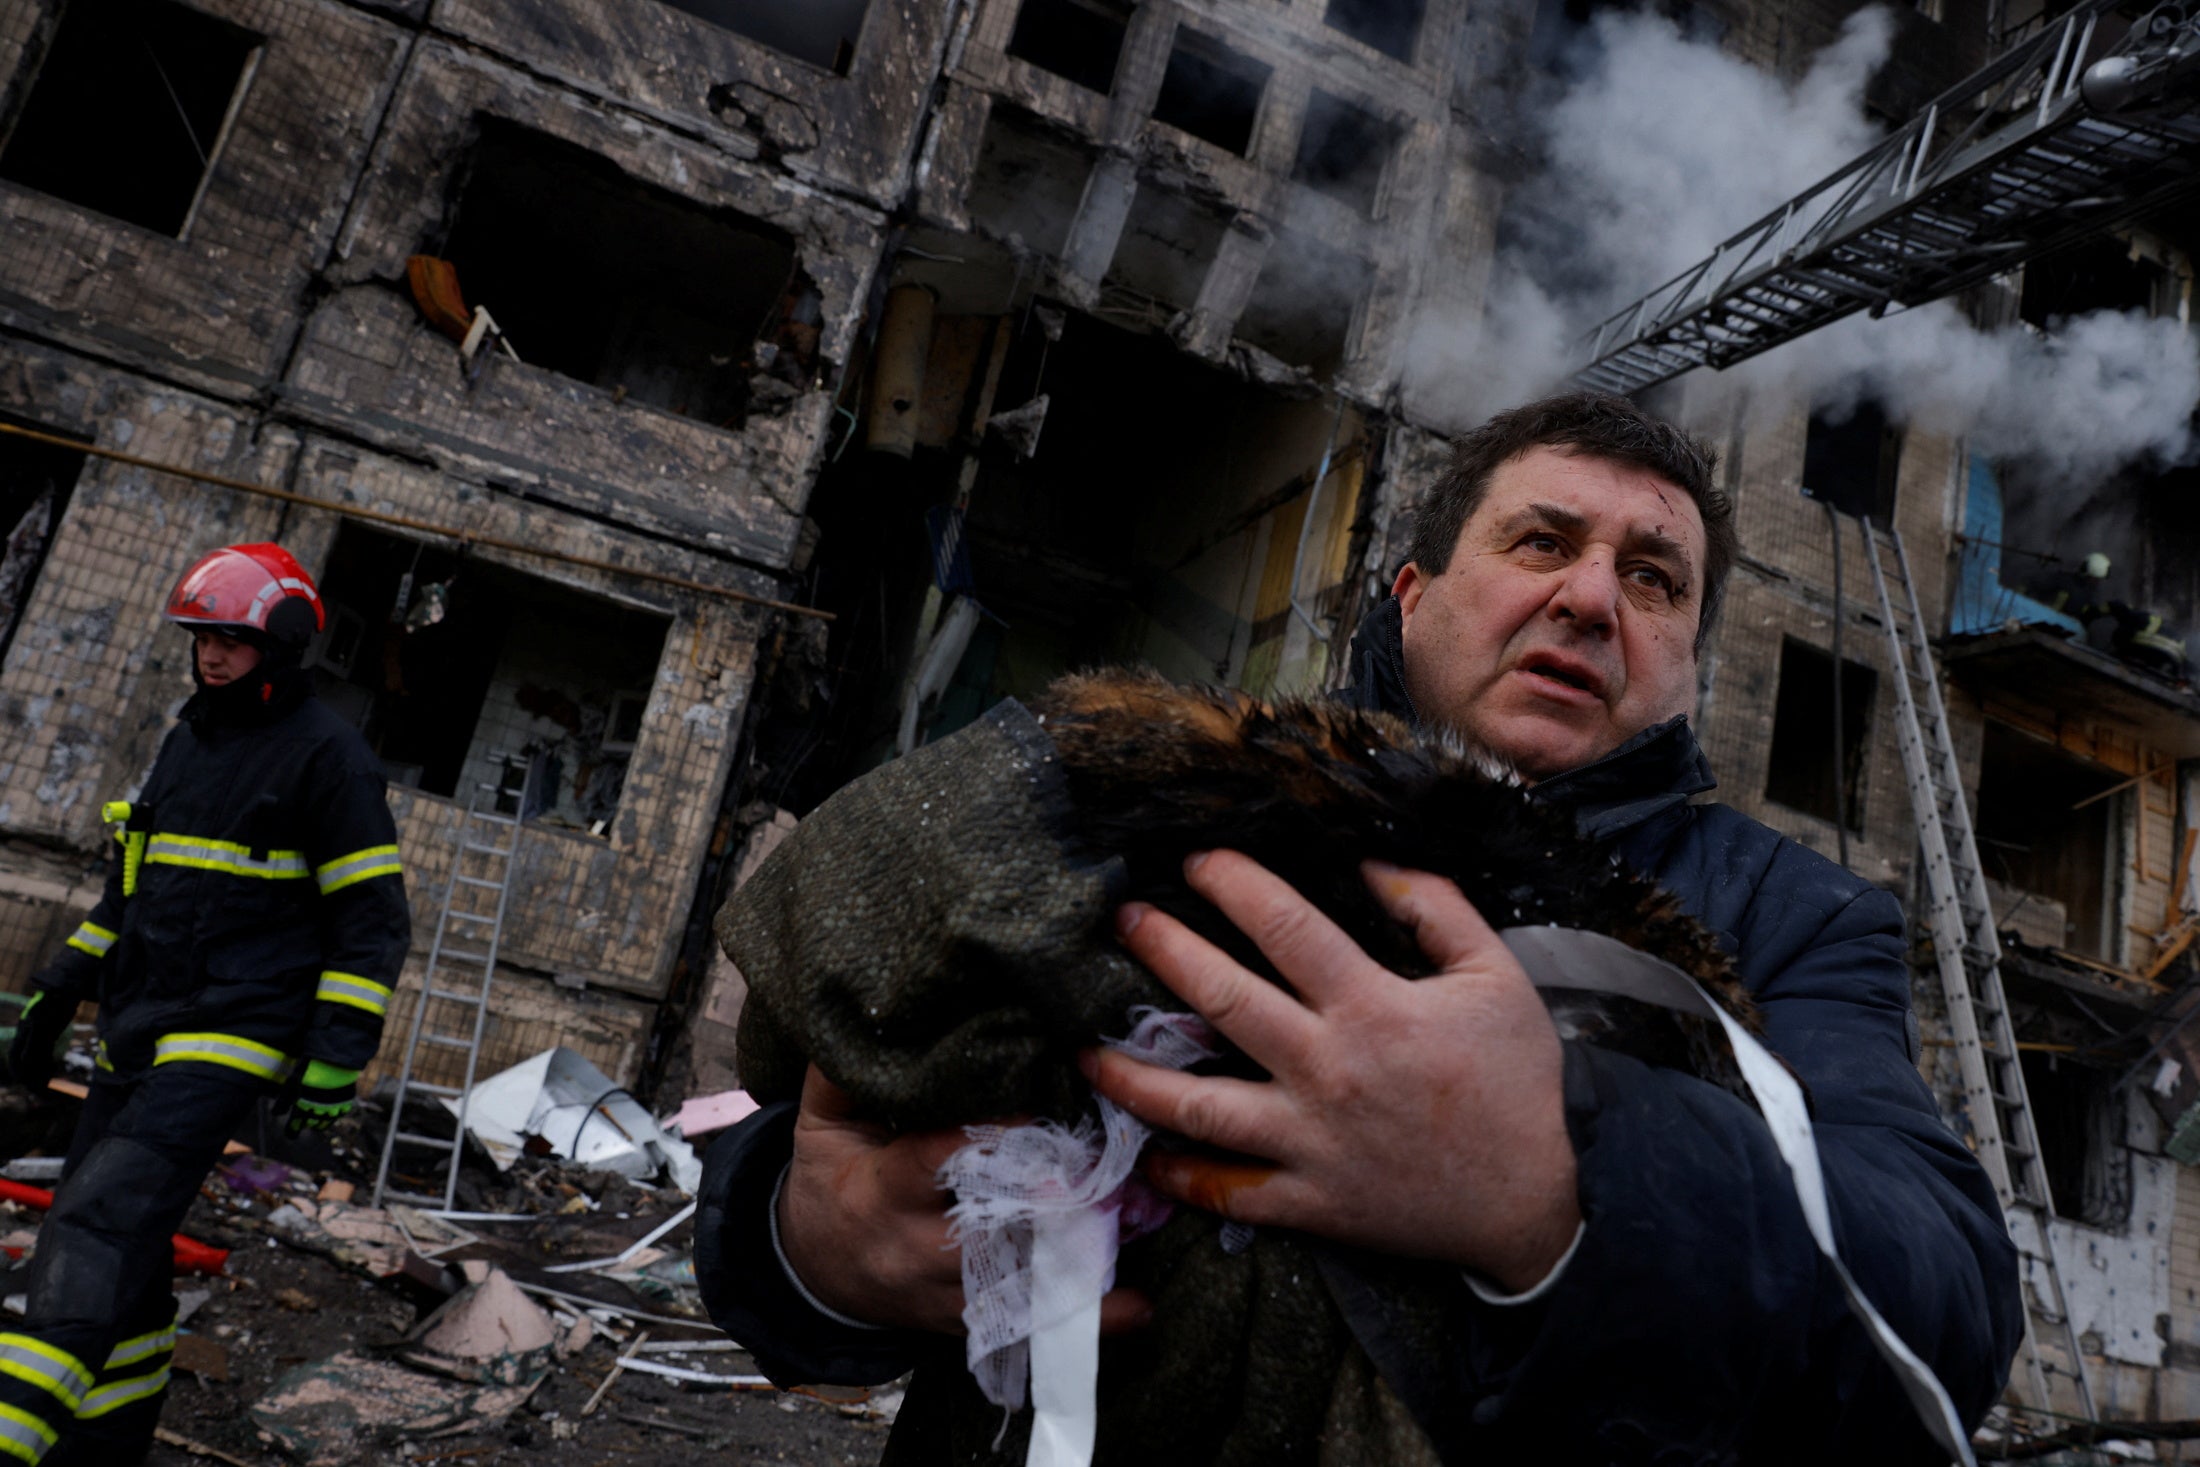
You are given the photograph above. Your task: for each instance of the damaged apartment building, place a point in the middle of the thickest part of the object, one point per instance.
(689, 404)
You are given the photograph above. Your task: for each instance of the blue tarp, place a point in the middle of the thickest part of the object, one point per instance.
(1981, 602)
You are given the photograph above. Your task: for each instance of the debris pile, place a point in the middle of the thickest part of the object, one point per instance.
(557, 1310)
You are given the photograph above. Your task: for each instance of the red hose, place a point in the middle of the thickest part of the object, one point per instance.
(192, 1256)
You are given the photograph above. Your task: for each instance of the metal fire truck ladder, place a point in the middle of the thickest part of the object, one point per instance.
(2063, 136)
(461, 961)
(1968, 954)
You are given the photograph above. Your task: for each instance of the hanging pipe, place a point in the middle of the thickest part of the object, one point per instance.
(1306, 525)
(1840, 725)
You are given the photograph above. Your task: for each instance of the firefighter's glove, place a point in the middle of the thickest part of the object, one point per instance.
(35, 1050)
(324, 1097)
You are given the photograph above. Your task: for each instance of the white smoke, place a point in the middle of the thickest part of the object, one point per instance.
(1663, 147)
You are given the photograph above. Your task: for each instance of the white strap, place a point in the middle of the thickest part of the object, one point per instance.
(1589, 962)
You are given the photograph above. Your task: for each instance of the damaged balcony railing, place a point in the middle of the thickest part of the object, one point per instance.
(2034, 151)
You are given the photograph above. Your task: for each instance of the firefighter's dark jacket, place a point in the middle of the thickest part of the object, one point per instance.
(254, 914)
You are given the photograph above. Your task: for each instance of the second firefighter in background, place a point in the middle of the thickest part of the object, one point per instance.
(252, 930)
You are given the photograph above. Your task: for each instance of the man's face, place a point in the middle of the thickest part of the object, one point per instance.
(222, 658)
(1566, 621)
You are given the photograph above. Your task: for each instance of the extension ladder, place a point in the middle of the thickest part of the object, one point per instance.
(1968, 953)
(461, 961)
(2014, 162)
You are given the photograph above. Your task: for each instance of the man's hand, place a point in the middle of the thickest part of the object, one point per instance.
(863, 1220)
(1423, 1118)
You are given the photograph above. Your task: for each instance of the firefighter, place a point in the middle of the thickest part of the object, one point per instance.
(2077, 594)
(2129, 633)
(250, 935)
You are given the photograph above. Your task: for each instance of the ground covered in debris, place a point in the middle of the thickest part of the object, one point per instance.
(340, 1334)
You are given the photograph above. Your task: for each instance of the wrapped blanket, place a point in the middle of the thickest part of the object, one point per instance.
(938, 939)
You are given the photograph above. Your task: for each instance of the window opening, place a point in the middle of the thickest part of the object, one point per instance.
(2031, 839)
(1088, 549)
(129, 109)
(36, 480)
(2021, 18)
(458, 671)
(1851, 460)
(1343, 150)
(2098, 275)
(2077, 1112)
(1211, 91)
(1302, 307)
(1167, 245)
(602, 278)
(1028, 182)
(821, 32)
(1390, 26)
(1079, 40)
(1799, 773)
(1561, 42)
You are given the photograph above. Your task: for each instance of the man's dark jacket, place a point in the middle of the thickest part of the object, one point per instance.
(1696, 1322)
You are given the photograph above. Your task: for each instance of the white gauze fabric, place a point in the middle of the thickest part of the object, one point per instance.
(1036, 1214)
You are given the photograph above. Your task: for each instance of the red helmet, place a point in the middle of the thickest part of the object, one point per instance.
(250, 589)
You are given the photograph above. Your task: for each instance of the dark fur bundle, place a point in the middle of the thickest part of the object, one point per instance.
(937, 939)
(1311, 789)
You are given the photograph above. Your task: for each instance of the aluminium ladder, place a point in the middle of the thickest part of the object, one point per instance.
(2022, 158)
(1968, 954)
(461, 961)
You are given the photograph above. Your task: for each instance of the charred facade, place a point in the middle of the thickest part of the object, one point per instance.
(1014, 336)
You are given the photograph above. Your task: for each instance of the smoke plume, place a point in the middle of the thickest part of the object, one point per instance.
(1662, 146)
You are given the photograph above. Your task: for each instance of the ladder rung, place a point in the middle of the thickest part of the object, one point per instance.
(456, 997)
(477, 881)
(491, 816)
(485, 850)
(446, 1041)
(447, 1092)
(448, 1143)
(465, 956)
(418, 1199)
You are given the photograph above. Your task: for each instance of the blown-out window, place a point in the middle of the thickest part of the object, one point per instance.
(1800, 773)
(129, 110)
(610, 280)
(821, 32)
(35, 483)
(463, 674)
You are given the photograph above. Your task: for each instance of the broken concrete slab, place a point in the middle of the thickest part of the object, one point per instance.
(489, 1332)
(467, 1366)
(343, 1410)
(365, 1238)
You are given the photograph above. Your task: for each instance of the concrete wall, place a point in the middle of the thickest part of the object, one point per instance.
(276, 342)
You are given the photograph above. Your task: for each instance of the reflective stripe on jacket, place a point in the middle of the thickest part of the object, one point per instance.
(228, 1050)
